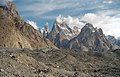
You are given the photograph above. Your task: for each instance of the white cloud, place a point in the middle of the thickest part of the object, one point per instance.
(109, 24)
(4, 2)
(70, 21)
(33, 24)
(73, 22)
(41, 7)
(108, 1)
(9, 0)
(48, 9)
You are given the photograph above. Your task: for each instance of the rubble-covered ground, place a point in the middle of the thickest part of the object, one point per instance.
(58, 63)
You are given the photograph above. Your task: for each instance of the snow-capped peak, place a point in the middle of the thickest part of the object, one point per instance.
(68, 27)
(59, 19)
(33, 24)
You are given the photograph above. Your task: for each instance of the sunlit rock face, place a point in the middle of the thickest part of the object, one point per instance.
(16, 33)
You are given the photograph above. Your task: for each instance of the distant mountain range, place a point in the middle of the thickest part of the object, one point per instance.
(72, 48)
(69, 33)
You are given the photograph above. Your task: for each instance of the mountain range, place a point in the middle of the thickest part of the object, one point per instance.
(73, 48)
(69, 33)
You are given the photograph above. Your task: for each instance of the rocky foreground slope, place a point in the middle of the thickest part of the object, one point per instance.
(58, 63)
(16, 33)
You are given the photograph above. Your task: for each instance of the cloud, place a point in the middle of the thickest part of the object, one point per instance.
(4, 2)
(42, 7)
(70, 21)
(33, 24)
(103, 12)
(109, 24)
(108, 1)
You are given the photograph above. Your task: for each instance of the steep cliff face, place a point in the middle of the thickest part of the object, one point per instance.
(90, 38)
(113, 40)
(63, 31)
(16, 33)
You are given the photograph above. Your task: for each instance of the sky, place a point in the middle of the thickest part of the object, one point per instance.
(103, 14)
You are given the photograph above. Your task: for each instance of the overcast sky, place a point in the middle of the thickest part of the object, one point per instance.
(101, 13)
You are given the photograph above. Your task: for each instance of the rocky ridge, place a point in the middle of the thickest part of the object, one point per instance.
(16, 33)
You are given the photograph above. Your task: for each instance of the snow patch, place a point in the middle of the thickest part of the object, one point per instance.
(93, 31)
(33, 24)
(69, 35)
(42, 30)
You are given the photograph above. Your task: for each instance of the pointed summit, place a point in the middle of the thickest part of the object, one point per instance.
(90, 38)
(64, 29)
(45, 30)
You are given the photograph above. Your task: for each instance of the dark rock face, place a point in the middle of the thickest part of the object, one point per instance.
(61, 33)
(111, 39)
(90, 38)
(16, 33)
(118, 42)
